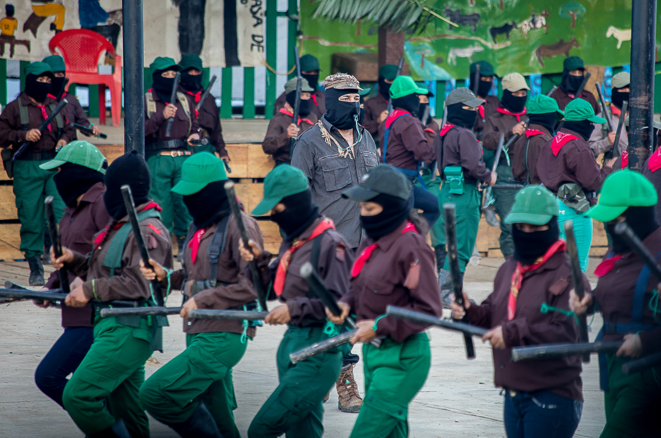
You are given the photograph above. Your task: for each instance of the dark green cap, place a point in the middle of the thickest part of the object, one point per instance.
(39, 69)
(542, 104)
(284, 180)
(198, 171)
(78, 152)
(56, 63)
(163, 63)
(291, 86)
(533, 205)
(388, 71)
(309, 63)
(579, 109)
(405, 85)
(364, 92)
(190, 60)
(382, 179)
(573, 63)
(486, 69)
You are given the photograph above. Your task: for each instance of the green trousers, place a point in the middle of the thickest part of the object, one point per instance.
(632, 402)
(468, 221)
(296, 405)
(582, 231)
(198, 374)
(394, 374)
(204, 148)
(165, 174)
(503, 202)
(32, 186)
(437, 232)
(105, 387)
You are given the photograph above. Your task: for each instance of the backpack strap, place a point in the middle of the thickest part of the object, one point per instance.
(525, 160)
(386, 135)
(183, 100)
(58, 119)
(113, 259)
(150, 104)
(316, 250)
(23, 114)
(216, 248)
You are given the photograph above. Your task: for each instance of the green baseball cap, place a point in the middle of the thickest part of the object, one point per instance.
(78, 152)
(190, 60)
(463, 95)
(388, 71)
(382, 179)
(309, 63)
(198, 171)
(163, 63)
(291, 86)
(573, 63)
(486, 69)
(405, 85)
(579, 109)
(621, 190)
(364, 92)
(284, 180)
(542, 104)
(533, 205)
(39, 69)
(56, 63)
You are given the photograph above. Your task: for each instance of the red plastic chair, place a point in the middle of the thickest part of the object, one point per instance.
(81, 50)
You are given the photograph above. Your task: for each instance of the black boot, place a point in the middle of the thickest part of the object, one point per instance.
(445, 282)
(200, 425)
(441, 253)
(47, 244)
(490, 216)
(36, 272)
(117, 430)
(180, 245)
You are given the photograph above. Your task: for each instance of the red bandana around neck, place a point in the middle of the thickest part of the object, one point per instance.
(561, 139)
(625, 159)
(510, 113)
(445, 129)
(480, 110)
(55, 97)
(606, 266)
(654, 163)
(44, 114)
(118, 225)
(615, 111)
(284, 111)
(367, 252)
(517, 277)
(197, 97)
(395, 114)
(532, 132)
(195, 241)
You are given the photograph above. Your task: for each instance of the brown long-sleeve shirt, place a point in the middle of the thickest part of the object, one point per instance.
(563, 99)
(575, 163)
(400, 272)
(127, 283)
(431, 132)
(208, 118)
(276, 142)
(373, 109)
(484, 112)
(535, 143)
(75, 112)
(499, 123)
(407, 144)
(78, 227)
(317, 106)
(655, 178)
(549, 284)
(13, 135)
(156, 123)
(459, 147)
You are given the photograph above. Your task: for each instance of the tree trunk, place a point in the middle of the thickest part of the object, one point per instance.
(573, 19)
(391, 46)
(358, 30)
(501, 5)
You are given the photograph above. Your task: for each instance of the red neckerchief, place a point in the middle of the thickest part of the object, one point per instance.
(281, 273)
(654, 163)
(284, 111)
(574, 97)
(480, 110)
(118, 225)
(197, 97)
(517, 277)
(367, 252)
(195, 241)
(392, 117)
(625, 159)
(151, 91)
(559, 141)
(615, 111)
(430, 130)
(606, 266)
(55, 97)
(44, 115)
(445, 129)
(314, 99)
(532, 132)
(510, 113)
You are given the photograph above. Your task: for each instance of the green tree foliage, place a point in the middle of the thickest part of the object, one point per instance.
(572, 10)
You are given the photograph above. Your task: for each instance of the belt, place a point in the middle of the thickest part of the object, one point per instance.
(37, 156)
(176, 153)
(166, 145)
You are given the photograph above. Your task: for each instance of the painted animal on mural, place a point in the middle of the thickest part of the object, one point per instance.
(619, 34)
(551, 50)
(504, 29)
(467, 52)
(470, 20)
(534, 22)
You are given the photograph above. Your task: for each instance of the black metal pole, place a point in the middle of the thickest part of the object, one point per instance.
(641, 101)
(134, 81)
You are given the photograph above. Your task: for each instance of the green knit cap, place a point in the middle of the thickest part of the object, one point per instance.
(198, 171)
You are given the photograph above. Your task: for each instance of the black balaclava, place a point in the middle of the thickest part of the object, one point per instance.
(514, 103)
(303, 109)
(642, 222)
(618, 97)
(361, 116)
(35, 89)
(570, 83)
(341, 114)
(384, 88)
(547, 120)
(583, 127)
(483, 87)
(457, 115)
(208, 206)
(299, 213)
(129, 169)
(421, 111)
(395, 211)
(163, 86)
(410, 103)
(56, 85)
(313, 80)
(74, 180)
(192, 83)
(528, 247)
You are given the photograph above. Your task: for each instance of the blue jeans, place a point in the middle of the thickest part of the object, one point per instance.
(63, 359)
(541, 414)
(423, 200)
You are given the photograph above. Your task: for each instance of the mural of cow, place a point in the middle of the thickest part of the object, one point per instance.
(551, 50)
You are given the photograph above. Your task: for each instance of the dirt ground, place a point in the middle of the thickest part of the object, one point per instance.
(458, 399)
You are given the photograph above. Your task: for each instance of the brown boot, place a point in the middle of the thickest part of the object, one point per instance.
(327, 396)
(347, 391)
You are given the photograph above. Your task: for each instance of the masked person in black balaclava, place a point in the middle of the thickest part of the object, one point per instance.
(573, 74)
(376, 107)
(309, 72)
(129, 169)
(601, 141)
(485, 83)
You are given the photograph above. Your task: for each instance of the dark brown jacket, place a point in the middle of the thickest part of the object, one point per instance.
(277, 142)
(460, 148)
(400, 272)
(75, 112)
(655, 178)
(317, 106)
(78, 227)
(549, 284)
(575, 163)
(518, 150)
(431, 132)
(499, 123)
(208, 117)
(407, 144)
(13, 134)
(127, 283)
(488, 108)
(563, 99)
(373, 109)
(156, 126)
(234, 287)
